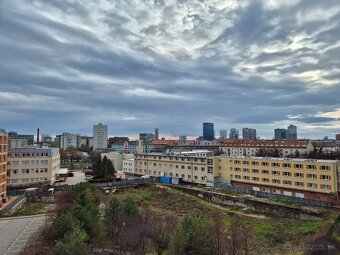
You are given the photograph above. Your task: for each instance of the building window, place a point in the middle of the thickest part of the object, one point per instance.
(189, 176)
(245, 162)
(255, 171)
(265, 164)
(285, 182)
(286, 165)
(255, 163)
(311, 185)
(276, 173)
(275, 164)
(237, 177)
(325, 186)
(246, 170)
(265, 171)
(325, 168)
(25, 171)
(276, 181)
(325, 177)
(311, 167)
(256, 179)
(203, 178)
(300, 184)
(298, 166)
(299, 175)
(246, 178)
(311, 176)
(265, 179)
(196, 177)
(287, 174)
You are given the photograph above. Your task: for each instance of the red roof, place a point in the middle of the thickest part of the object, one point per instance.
(267, 143)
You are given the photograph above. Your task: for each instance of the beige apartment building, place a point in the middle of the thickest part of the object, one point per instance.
(33, 166)
(191, 166)
(305, 178)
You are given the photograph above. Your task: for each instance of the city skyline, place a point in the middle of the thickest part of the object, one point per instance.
(171, 65)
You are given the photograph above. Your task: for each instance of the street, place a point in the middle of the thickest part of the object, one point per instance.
(16, 231)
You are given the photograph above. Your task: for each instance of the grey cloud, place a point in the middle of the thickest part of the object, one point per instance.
(166, 53)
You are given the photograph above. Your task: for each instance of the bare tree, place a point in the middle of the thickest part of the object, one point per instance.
(248, 241)
(233, 242)
(161, 227)
(220, 234)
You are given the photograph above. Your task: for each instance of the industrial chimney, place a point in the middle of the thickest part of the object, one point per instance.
(38, 136)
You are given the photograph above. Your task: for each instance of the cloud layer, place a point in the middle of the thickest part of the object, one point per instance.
(137, 65)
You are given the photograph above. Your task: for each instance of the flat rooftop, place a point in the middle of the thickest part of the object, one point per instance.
(282, 159)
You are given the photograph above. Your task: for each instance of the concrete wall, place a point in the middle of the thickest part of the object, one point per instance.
(255, 205)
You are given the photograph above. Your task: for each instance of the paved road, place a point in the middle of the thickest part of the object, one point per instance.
(79, 176)
(16, 231)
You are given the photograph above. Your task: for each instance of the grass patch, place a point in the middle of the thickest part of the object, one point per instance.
(142, 195)
(304, 227)
(31, 209)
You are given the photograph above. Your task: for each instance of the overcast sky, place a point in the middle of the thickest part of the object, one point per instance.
(137, 65)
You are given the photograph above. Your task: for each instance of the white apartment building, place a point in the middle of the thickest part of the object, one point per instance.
(117, 158)
(68, 140)
(99, 136)
(129, 166)
(32, 166)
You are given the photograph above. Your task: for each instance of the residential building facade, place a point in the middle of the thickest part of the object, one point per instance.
(292, 132)
(304, 178)
(17, 143)
(99, 136)
(68, 140)
(3, 164)
(208, 131)
(156, 133)
(129, 166)
(147, 137)
(282, 148)
(32, 166)
(223, 134)
(234, 134)
(280, 134)
(249, 134)
(117, 158)
(15, 135)
(189, 166)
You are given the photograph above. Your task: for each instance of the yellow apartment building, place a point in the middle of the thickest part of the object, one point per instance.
(305, 178)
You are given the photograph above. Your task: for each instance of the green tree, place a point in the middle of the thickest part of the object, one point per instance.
(129, 206)
(73, 242)
(107, 167)
(193, 236)
(63, 224)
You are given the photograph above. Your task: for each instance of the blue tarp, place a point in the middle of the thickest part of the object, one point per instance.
(165, 179)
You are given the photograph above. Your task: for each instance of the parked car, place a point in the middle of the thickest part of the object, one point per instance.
(89, 177)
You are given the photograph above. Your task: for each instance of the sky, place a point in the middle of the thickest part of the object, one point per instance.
(138, 65)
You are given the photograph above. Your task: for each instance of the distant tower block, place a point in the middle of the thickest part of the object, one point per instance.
(157, 133)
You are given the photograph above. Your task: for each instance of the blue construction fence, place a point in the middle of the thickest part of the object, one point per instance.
(297, 200)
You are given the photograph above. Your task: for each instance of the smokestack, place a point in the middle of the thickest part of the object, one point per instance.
(38, 136)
